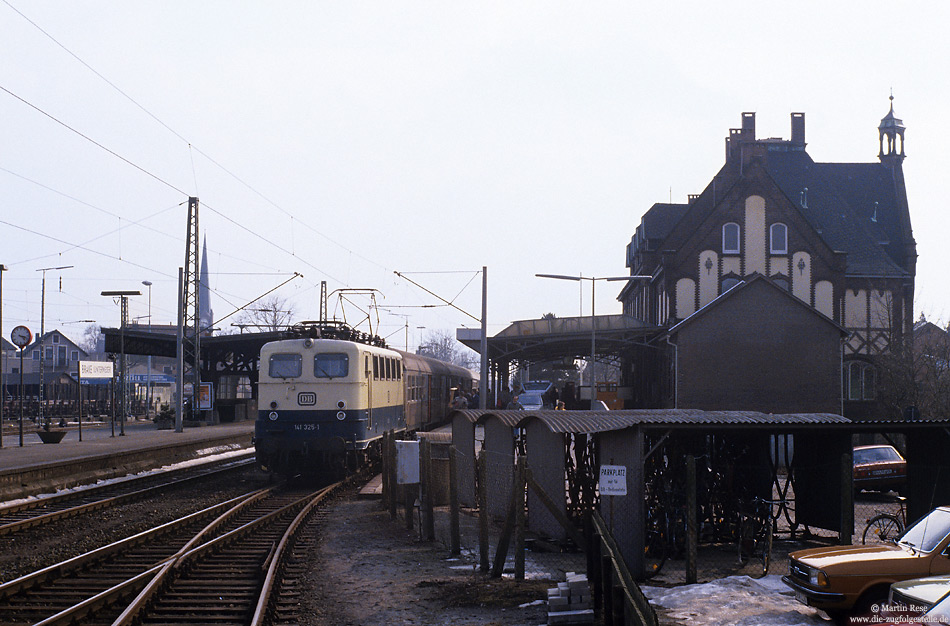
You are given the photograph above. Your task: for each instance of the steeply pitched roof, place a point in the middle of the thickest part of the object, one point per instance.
(839, 200)
(659, 221)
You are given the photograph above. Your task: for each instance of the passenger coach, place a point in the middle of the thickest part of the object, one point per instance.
(324, 404)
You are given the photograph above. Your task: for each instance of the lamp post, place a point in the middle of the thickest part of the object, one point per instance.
(148, 374)
(3, 354)
(42, 390)
(593, 318)
(123, 375)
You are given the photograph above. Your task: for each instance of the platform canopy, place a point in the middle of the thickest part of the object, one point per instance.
(558, 337)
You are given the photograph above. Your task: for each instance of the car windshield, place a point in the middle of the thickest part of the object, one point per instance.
(530, 399)
(536, 386)
(938, 613)
(875, 455)
(926, 534)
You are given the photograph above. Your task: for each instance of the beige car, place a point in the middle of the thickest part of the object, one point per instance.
(851, 579)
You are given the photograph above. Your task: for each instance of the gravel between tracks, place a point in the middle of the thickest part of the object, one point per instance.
(367, 570)
(35, 548)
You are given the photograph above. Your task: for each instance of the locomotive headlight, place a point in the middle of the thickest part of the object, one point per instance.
(272, 416)
(340, 415)
(341, 404)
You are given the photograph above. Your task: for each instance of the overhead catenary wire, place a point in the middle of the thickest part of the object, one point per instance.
(295, 221)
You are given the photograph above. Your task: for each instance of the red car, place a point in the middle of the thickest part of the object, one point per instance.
(878, 468)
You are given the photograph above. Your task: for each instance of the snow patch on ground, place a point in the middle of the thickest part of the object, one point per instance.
(218, 453)
(734, 601)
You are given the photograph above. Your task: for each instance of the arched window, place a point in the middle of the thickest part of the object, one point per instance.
(729, 283)
(778, 239)
(730, 238)
(859, 381)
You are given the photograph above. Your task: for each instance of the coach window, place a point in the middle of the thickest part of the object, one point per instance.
(285, 366)
(375, 367)
(398, 366)
(331, 365)
(389, 369)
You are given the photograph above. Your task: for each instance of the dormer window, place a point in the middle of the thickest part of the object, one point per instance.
(730, 238)
(778, 239)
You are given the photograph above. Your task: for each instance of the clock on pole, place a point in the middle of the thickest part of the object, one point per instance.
(21, 336)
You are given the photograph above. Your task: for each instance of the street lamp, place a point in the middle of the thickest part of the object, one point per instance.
(3, 354)
(593, 320)
(124, 312)
(148, 374)
(42, 392)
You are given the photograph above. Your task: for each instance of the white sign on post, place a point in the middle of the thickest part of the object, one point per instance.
(95, 369)
(613, 480)
(407, 462)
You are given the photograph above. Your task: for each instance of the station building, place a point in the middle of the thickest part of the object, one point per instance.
(833, 238)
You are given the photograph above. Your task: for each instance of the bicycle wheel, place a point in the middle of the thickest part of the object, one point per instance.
(746, 539)
(765, 545)
(883, 527)
(654, 548)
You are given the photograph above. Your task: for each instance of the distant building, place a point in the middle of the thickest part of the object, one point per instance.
(835, 236)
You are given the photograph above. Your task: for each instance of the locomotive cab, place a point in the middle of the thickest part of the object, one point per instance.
(324, 402)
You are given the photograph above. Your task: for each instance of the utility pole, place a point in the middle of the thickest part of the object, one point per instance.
(123, 373)
(191, 309)
(42, 391)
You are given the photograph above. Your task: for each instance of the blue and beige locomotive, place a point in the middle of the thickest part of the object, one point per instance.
(324, 404)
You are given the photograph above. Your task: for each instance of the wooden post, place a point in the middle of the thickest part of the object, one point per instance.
(393, 487)
(616, 603)
(606, 589)
(520, 487)
(385, 475)
(847, 500)
(594, 574)
(454, 531)
(483, 546)
(692, 535)
(427, 490)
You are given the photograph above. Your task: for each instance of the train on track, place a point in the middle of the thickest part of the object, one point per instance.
(327, 396)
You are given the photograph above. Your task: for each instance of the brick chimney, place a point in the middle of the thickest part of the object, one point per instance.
(798, 129)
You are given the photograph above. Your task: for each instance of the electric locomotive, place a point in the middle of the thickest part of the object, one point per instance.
(324, 404)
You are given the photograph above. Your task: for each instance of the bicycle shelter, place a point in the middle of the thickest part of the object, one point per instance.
(739, 454)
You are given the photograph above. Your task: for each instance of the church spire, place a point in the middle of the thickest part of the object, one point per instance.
(891, 137)
(205, 315)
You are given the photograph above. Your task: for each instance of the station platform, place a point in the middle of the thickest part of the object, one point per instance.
(38, 468)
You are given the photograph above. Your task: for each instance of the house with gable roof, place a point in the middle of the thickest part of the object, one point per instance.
(835, 236)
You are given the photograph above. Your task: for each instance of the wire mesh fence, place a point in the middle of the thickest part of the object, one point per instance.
(490, 510)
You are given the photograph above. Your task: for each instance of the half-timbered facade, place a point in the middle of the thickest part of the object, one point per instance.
(836, 236)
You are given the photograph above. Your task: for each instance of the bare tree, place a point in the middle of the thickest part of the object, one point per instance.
(915, 373)
(442, 345)
(268, 314)
(89, 341)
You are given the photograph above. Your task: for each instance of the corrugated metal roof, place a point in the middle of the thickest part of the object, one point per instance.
(603, 421)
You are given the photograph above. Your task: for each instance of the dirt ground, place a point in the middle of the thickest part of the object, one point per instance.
(367, 570)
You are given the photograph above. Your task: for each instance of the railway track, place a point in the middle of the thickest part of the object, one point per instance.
(208, 567)
(35, 512)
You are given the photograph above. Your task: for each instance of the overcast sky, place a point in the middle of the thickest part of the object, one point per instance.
(345, 141)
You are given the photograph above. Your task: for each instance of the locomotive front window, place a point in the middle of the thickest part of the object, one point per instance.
(331, 365)
(285, 366)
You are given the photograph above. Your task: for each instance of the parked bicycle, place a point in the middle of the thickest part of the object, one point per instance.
(886, 527)
(755, 531)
